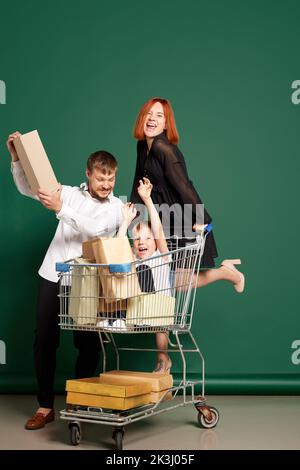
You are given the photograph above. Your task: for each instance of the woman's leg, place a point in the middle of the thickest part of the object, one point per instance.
(226, 272)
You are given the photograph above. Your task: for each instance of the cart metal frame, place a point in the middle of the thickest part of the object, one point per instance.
(208, 416)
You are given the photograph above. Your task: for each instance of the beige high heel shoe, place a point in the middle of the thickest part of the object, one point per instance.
(230, 264)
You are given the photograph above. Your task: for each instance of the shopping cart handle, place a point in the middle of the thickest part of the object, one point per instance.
(208, 228)
(119, 268)
(62, 267)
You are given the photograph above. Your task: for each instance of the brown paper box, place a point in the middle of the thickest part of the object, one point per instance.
(158, 381)
(95, 386)
(119, 286)
(112, 403)
(35, 163)
(87, 249)
(114, 306)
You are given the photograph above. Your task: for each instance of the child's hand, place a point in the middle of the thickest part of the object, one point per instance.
(144, 189)
(129, 213)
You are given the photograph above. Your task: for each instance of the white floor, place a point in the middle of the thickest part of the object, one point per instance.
(246, 422)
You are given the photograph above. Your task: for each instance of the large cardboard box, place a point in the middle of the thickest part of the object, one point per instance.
(158, 381)
(151, 309)
(35, 163)
(112, 403)
(119, 283)
(92, 392)
(154, 396)
(96, 386)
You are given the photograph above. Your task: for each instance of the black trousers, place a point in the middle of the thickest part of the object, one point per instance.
(47, 341)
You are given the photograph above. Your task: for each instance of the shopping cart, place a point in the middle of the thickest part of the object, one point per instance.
(126, 299)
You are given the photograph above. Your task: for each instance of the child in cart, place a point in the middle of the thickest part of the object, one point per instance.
(149, 240)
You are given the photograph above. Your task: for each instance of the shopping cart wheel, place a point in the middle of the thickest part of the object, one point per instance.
(208, 417)
(118, 436)
(75, 433)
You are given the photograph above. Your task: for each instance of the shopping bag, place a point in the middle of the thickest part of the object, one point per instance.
(84, 293)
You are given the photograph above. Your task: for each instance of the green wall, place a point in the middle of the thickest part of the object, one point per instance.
(78, 72)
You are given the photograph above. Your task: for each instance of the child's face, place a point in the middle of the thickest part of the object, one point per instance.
(101, 184)
(143, 242)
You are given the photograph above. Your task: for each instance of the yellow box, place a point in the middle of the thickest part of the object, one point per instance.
(35, 163)
(113, 403)
(158, 381)
(96, 386)
(156, 396)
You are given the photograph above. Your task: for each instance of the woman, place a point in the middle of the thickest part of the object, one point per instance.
(160, 160)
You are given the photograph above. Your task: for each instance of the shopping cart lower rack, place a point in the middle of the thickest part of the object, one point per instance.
(150, 295)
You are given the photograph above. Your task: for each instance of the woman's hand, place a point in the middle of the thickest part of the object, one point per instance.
(51, 200)
(129, 213)
(11, 147)
(144, 189)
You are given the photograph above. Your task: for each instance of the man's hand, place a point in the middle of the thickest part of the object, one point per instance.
(129, 213)
(144, 189)
(11, 147)
(51, 200)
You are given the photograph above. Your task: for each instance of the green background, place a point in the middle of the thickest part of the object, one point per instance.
(79, 72)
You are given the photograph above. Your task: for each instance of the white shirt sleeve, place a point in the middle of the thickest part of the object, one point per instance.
(90, 227)
(21, 180)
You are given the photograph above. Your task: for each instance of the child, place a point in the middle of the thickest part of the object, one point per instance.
(148, 239)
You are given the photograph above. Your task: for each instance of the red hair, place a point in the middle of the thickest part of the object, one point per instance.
(172, 133)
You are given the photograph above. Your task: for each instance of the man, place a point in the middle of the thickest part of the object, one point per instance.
(84, 212)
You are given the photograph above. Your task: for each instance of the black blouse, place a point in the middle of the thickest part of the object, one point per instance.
(165, 167)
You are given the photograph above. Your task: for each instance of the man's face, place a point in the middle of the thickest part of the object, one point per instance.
(143, 242)
(100, 184)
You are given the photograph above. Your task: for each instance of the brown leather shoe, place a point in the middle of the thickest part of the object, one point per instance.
(38, 420)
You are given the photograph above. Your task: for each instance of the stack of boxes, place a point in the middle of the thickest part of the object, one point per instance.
(119, 390)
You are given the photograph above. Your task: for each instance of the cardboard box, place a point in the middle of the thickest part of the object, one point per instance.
(118, 379)
(106, 308)
(35, 163)
(87, 249)
(92, 392)
(111, 403)
(116, 251)
(96, 386)
(156, 396)
(158, 381)
(151, 309)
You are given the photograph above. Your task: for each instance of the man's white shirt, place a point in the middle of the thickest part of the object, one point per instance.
(81, 218)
